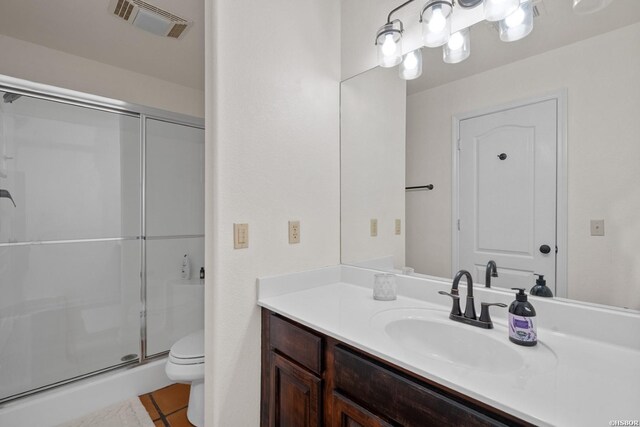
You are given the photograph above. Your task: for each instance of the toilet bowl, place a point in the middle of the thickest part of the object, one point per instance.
(186, 365)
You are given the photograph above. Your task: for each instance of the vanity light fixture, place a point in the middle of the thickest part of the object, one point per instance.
(389, 43)
(411, 66)
(436, 22)
(497, 10)
(515, 22)
(519, 24)
(458, 48)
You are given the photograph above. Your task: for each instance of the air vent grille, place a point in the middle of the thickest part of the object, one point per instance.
(177, 30)
(151, 8)
(163, 23)
(124, 9)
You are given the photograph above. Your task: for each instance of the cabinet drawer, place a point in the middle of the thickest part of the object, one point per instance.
(297, 343)
(401, 399)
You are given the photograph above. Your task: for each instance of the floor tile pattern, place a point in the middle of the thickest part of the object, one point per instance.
(167, 406)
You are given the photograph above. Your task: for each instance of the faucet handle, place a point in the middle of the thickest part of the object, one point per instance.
(484, 311)
(455, 309)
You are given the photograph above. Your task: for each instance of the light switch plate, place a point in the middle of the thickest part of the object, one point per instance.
(294, 232)
(597, 227)
(240, 236)
(398, 227)
(374, 227)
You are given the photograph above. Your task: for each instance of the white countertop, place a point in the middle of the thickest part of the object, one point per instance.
(592, 383)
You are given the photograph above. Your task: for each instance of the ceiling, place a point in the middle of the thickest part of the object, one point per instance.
(556, 26)
(86, 28)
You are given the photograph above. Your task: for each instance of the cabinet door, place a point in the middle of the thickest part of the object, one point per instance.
(346, 413)
(295, 395)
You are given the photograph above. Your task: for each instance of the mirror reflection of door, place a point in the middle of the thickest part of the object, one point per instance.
(506, 196)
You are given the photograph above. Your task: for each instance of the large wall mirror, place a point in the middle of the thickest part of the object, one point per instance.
(527, 154)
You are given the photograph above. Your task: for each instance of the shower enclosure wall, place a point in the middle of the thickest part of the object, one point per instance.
(101, 204)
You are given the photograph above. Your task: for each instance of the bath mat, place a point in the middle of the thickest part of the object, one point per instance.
(129, 413)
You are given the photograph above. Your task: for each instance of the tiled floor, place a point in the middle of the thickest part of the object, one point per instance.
(168, 406)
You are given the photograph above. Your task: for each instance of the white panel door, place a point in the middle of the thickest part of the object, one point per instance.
(507, 194)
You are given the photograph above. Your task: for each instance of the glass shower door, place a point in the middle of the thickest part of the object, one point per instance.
(70, 247)
(174, 193)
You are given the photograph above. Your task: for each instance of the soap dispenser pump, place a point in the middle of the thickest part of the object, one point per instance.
(541, 289)
(522, 320)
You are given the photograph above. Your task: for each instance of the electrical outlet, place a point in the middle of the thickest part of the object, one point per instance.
(374, 227)
(294, 232)
(398, 227)
(597, 227)
(240, 236)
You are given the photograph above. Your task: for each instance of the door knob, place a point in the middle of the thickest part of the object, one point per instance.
(545, 249)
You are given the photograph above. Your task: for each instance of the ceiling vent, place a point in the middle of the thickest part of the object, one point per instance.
(150, 18)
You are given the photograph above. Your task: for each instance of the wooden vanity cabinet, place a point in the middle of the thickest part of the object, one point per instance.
(291, 374)
(309, 379)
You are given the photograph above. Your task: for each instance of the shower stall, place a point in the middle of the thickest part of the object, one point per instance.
(101, 235)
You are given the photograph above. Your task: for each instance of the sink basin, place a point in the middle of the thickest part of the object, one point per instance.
(431, 334)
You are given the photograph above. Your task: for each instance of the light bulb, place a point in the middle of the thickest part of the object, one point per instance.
(411, 61)
(389, 46)
(456, 41)
(497, 10)
(515, 19)
(437, 21)
(411, 66)
(517, 25)
(458, 48)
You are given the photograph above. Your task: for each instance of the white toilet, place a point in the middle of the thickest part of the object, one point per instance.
(186, 365)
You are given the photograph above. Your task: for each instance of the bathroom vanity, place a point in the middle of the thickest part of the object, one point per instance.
(310, 379)
(332, 355)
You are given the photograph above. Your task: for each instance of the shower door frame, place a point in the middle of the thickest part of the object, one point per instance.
(95, 102)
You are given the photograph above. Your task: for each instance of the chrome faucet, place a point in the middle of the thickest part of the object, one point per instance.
(491, 271)
(469, 317)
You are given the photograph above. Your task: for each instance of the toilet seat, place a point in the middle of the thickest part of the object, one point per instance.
(186, 360)
(188, 350)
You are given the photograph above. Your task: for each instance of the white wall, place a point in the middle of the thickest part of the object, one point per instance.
(272, 155)
(601, 76)
(372, 130)
(40, 64)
